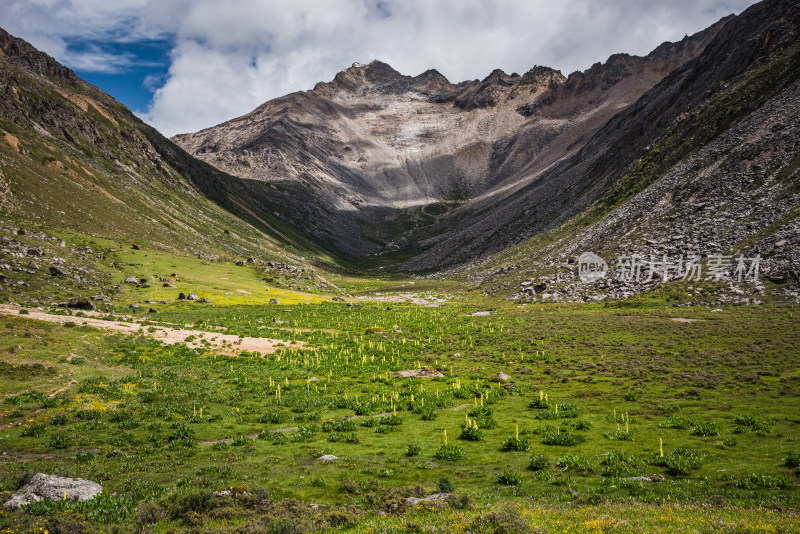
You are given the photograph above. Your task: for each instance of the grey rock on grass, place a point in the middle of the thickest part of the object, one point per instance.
(54, 487)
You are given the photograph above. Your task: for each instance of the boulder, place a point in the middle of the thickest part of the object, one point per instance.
(32, 265)
(181, 296)
(434, 498)
(131, 280)
(136, 247)
(425, 372)
(35, 252)
(204, 300)
(55, 488)
(274, 301)
(337, 299)
(192, 296)
(325, 458)
(78, 303)
(502, 377)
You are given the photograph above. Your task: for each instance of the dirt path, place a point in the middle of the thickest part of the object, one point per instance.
(222, 343)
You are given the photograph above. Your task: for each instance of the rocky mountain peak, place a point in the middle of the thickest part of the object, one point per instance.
(542, 76)
(378, 77)
(22, 54)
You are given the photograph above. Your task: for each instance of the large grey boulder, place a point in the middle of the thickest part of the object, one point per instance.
(78, 303)
(56, 488)
(434, 498)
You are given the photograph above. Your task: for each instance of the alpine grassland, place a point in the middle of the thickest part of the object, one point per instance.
(608, 416)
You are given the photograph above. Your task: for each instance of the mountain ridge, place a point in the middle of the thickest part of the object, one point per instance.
(363, 157)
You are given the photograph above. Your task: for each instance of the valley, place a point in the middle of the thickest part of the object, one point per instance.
(392, 303)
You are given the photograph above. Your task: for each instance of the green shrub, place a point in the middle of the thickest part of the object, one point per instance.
(304, 433)
(583, 425)
(36, 430)
(619, 464)
(240, 441)
(754, 481)
(566, 410)
(539, 404)
(706, 429)
(668, 408)
(150, 513)
(59, 419)
(449, 453)
(759, 425)
(631, 396)
(347, 437)
(413, 450)
(538, 463)
(60, 440)
(506, 521)
(471, 433)
(573, 462)
(273, 417)
(792, 460)
(480, 411)
(680, 462)
(676, 421)
(512, 443)
(428, 413)
(343, 425)
(445, 486)
(508, 478)
(619, 435)
(390, 420)
(196, 502)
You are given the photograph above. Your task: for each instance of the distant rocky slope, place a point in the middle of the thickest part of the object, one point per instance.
(691, 150)
(73, 158)
(705, 164)
(367, 160)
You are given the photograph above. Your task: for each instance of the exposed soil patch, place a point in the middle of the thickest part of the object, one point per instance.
(218, 342)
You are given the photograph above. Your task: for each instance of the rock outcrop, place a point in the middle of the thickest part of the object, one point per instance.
(55, 488)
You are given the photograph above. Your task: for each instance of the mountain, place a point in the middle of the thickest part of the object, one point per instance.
(690, 149)
(366, 160)
(705, 163)
(73, 158)
(502, 182)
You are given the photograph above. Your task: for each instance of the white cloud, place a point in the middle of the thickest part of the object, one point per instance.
(229, 57)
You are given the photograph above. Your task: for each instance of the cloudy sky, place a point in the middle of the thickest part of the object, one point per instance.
(183, 65)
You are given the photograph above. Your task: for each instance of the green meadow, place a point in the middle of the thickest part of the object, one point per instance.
(612, 417)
